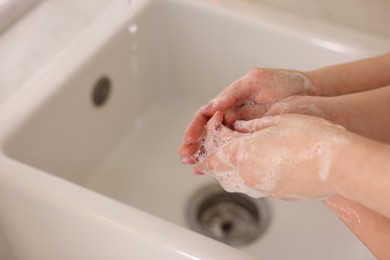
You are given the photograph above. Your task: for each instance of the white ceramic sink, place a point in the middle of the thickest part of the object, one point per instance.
(84, 182)
(11, 10)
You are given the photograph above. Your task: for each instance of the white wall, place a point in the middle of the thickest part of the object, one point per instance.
(371, 16)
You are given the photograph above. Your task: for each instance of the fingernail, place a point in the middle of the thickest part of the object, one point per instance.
(184, 155)
(186, 160)
(189, 158)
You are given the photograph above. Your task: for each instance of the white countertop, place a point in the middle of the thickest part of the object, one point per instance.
(39, 37)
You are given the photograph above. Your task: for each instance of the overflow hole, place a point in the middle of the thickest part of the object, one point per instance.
(101, 91)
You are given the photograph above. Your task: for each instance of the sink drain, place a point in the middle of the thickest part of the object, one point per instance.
(232, 218)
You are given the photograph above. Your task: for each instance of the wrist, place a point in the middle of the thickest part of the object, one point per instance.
(359, 170)
(340, 174)
(320, 82)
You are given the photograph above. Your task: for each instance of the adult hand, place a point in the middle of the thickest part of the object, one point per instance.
(287, 156)
(248, 98)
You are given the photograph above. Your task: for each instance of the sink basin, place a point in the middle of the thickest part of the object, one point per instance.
(11, 10)
(88, 164)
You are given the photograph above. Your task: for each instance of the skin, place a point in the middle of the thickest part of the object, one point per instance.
(358, 174)
(369, 221)
(263, 139)
(265, 88)
(249, 150)
(249, 97)
(370, 227)
(352, 77)
(364, 113)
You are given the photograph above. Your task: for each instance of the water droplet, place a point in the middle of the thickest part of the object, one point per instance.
(133, 28)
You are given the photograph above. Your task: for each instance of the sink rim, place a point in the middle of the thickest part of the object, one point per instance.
(26, 181)
(19, 107)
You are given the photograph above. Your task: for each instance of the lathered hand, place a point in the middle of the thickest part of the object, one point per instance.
(247, 98)
(287, 156)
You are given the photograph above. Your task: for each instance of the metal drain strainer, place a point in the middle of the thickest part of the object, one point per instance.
(232, 218)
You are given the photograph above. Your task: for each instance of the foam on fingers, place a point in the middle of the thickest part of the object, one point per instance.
(255, 124)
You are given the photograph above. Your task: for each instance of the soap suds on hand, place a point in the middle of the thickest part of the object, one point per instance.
(267, 173)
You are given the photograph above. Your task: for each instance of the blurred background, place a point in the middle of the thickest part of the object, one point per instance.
(32, 32)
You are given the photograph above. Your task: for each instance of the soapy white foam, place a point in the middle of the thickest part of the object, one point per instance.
(270, 165)
(272, 172)
(296, 80)
(325, 150)
(256, 124)
(231, 180)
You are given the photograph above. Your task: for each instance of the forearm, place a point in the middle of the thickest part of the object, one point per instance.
(361, 173)
(352, 77)
(365, 113)
(370, 227)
